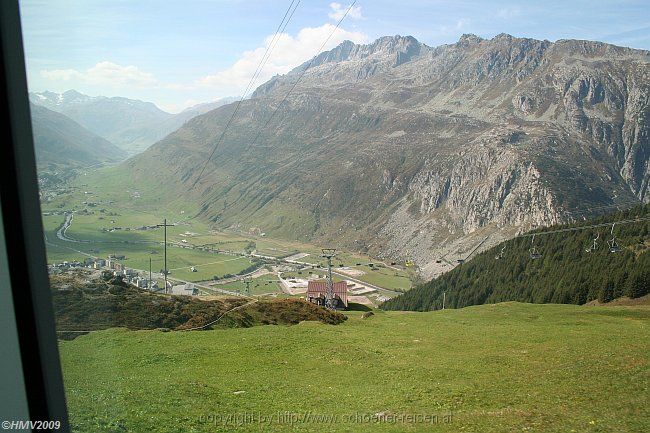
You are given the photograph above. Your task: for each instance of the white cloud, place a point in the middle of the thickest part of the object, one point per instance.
(288, 53)
(338, 11)
(509, 12)
(290, 50)
(460, 25)
(104, 74)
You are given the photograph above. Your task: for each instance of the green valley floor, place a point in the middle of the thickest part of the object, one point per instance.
(492, 368)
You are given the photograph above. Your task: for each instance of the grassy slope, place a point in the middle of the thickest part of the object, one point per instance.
(98, 305)
(503, 367)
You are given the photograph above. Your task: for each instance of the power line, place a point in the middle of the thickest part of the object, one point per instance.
(330, 302)
(166, 271)
(601, 208)
(265, 57)
(197, 328)
(593, 226)
(259, 132)
(304, 71)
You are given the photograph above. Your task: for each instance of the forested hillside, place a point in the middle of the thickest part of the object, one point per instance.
(566, 272)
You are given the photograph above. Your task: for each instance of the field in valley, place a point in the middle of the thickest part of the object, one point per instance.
(117, 218)
(491, 368)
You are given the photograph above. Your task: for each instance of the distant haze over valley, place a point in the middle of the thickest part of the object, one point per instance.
(130, 124)
(61, 143)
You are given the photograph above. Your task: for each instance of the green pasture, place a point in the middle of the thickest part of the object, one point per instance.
(492, 368)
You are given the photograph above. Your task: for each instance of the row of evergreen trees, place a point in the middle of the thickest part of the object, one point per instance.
(565, 273)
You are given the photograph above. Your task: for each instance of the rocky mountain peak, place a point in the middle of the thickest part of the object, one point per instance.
(593, 49)
(399, 49)
(468, 39)
(365, 59)
(393, 44)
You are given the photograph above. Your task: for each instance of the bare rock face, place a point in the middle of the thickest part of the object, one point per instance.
(410, 151)
(487, 187)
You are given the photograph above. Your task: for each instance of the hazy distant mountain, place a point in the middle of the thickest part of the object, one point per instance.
(202, 108)
(131, 124)
(178, 120)
(62, 143)
(410, 151)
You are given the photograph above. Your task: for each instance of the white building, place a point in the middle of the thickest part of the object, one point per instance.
(185, 290)
(141, 283)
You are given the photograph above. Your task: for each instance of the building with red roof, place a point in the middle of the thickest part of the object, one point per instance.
(317, 293)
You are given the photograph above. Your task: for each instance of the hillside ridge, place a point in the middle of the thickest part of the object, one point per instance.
(61, 143)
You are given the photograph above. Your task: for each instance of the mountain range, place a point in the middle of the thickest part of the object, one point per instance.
(428, 154)
(130, 124)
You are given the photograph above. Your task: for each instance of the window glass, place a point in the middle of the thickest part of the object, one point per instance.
(364, 216)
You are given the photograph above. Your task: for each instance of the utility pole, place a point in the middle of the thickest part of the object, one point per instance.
(248, 282)
(328, 253)
(165, 271)
(165, 228)
(444, 296)
(150, 281)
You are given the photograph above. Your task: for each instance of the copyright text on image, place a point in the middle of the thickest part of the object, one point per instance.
(310, 417)
(24, 425)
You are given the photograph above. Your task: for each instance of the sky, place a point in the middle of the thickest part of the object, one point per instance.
(180, 53)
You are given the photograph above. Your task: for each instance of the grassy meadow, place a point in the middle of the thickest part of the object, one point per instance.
(492, 368)
(264, 284)
(137, 252)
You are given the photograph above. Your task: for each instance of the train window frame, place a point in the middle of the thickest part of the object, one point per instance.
(23, 237)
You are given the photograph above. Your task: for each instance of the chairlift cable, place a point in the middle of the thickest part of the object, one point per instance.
(593, 226)
(304, 71)
(265, 57)
(601, 207)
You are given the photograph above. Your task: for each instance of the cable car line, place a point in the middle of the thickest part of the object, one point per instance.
(268, 121)
(265, 57)
(593, 226)
(304, 71)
